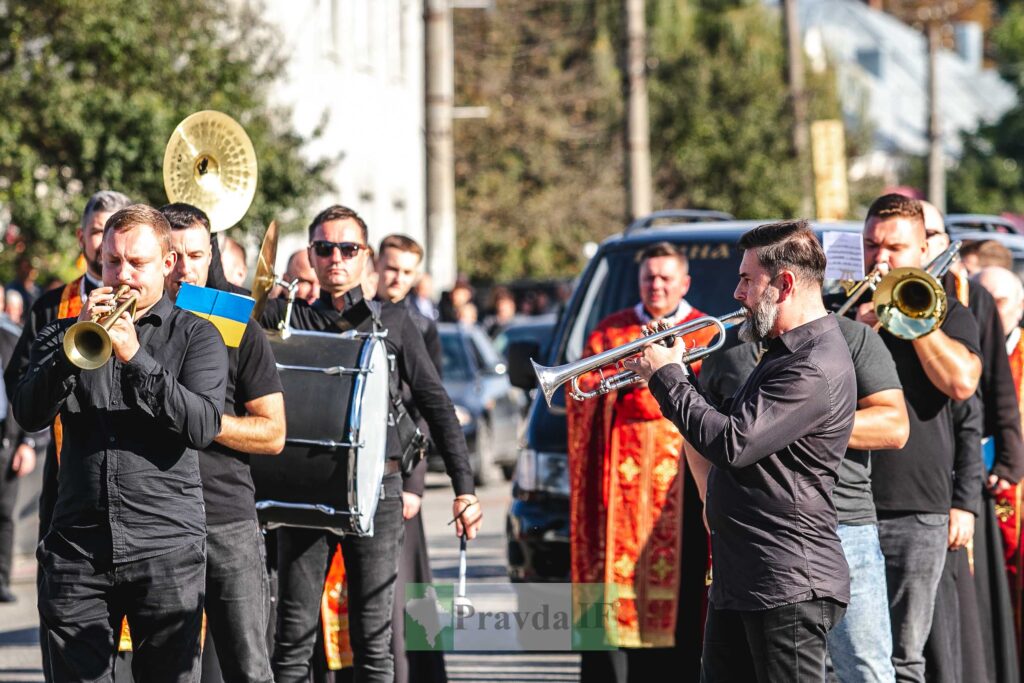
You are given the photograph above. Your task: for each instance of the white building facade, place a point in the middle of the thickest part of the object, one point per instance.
(356, 67)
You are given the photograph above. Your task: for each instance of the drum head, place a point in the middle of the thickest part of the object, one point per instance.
(370, 456)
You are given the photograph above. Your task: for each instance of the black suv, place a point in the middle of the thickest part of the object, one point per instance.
(537, 525)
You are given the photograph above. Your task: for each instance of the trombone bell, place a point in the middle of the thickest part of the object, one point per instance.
(910, 303)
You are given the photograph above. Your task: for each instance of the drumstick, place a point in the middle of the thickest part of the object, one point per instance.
(460, 596)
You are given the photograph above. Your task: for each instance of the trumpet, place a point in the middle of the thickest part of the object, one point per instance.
(551, 378)
(87, 343)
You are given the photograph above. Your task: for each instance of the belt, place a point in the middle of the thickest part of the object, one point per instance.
(392, 466)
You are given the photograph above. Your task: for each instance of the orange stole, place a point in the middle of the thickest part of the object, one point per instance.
(334, 615)
(626, 500)
(1008, 508)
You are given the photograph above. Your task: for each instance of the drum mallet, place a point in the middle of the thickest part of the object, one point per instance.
(461, 601)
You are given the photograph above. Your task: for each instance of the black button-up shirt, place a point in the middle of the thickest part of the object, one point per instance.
(776, 449)
(129, 485)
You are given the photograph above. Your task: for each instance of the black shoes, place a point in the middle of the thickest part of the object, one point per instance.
(6, 595)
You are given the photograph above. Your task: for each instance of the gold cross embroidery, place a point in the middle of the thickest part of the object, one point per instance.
(629, 469)
(624, 566)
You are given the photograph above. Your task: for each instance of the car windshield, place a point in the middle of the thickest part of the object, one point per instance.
(614, 286)
(455, 362)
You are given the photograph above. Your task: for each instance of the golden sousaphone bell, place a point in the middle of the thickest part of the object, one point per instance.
(210, 163)
(87, 342)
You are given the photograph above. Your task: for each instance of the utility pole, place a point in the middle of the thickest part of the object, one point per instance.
(933, 18)
(638, 134)
(798, 97)
(936, 157)
(440, 96)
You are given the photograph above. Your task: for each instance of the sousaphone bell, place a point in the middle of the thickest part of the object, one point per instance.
(210, 163)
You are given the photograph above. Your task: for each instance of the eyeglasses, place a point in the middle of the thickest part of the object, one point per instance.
(324, 249)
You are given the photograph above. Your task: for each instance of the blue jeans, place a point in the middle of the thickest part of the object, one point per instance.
(371, 567)
(861, 644)
(238, 600)
(915, 551)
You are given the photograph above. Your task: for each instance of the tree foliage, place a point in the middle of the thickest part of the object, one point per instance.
(990, 176)
(93, 88)
(545, 173)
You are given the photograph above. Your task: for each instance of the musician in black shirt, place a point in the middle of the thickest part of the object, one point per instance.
(237, 599)
(338, 252)
(781, 580)
(128, 536)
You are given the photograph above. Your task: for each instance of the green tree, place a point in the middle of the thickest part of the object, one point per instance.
(93, 88)
(542, 174)
(720, 110)
(990, 176)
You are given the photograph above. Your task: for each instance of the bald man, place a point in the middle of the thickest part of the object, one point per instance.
(982, 632)
(299, 269)
(232, 257)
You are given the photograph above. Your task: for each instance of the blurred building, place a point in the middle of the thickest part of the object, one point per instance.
(356, 69)
(881, 64)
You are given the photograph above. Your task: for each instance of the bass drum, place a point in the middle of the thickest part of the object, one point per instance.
(330, 473)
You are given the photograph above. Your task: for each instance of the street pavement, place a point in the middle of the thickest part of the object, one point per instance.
(19, 650)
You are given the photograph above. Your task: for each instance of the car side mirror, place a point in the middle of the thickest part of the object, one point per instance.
(520, 369)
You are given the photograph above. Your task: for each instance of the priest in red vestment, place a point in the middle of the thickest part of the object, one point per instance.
(629, 489)
(1008, 292)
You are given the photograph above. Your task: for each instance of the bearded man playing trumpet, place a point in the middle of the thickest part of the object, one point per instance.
(635, 511)
(128, 535)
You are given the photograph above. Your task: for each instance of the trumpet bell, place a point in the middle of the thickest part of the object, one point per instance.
(210, 163)
(550, 378)
(87, 345)
(910, 303)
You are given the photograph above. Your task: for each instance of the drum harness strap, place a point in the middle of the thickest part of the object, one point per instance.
(412, 441)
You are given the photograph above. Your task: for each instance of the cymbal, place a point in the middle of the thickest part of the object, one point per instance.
(264, 279)
(210, 163)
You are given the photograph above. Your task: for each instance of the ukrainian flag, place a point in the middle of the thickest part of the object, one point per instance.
(228, 312)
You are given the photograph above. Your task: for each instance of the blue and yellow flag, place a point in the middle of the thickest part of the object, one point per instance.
(228, 312)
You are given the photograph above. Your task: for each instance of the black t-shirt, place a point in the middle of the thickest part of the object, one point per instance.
(726, 371)
(876, 372)
(227, 483)
(919, 478)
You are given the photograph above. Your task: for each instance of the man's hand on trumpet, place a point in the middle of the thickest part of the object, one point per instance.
(655, 357)
(123, 339)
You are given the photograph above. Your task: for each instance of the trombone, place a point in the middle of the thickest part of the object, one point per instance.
(87, 342)
(550, 378)
(909, 302)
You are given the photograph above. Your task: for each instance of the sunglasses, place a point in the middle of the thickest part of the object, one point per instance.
(324, 249)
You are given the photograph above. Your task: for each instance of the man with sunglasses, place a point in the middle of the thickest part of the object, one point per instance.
(338, 252)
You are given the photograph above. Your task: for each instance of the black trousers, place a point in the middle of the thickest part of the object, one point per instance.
(82, 604)
(8, 498)
(780, 645)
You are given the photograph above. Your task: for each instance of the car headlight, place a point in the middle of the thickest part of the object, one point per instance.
(463, 415)
(542, 472)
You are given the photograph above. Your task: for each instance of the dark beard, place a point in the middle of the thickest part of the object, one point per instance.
(761, 319)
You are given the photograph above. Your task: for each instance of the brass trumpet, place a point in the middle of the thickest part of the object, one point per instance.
(550, 378)
(87, 342)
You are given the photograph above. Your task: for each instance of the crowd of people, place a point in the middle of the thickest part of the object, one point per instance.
(849, 492)
(825, 474)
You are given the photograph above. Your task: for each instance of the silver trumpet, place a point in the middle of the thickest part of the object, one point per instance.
(550, 378)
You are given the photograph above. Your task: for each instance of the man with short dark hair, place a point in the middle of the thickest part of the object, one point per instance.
(923, 509)
(59, 303)
(635, 514)
(339, 254)
(128, 531)
(237, 600)
(780, 577)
